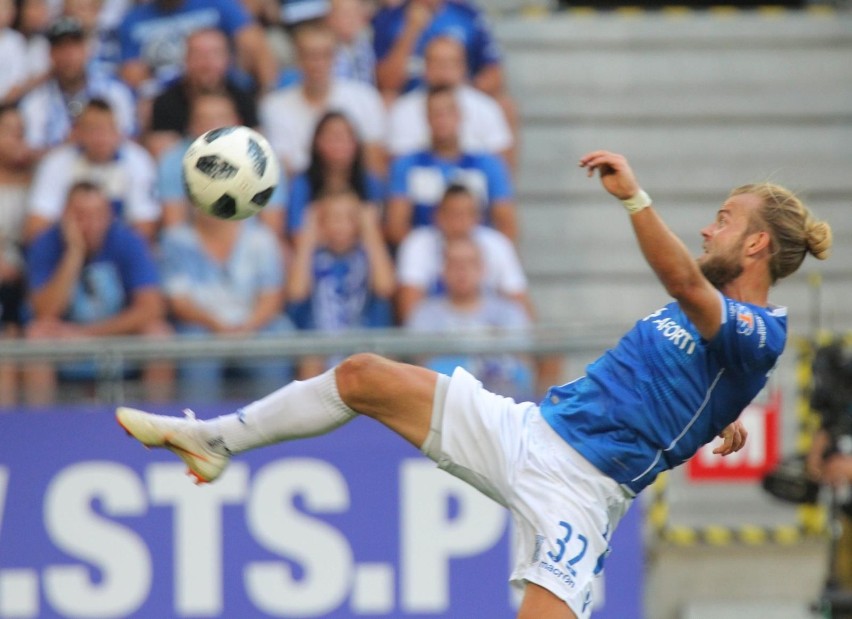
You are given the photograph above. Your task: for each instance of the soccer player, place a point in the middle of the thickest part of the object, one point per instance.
(568, 468)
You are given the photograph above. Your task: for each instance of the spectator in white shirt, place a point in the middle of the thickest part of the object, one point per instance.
(420, 256)
(483, 125)
(288, 115)
(101, 155)
(50, 109)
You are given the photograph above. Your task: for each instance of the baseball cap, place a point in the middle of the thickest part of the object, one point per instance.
(63, 28)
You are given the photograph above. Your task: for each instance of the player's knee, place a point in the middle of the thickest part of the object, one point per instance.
(355, 377)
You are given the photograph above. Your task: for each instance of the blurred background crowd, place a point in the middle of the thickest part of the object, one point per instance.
(398, 145)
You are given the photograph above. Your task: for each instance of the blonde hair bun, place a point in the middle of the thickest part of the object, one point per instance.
(819, 239)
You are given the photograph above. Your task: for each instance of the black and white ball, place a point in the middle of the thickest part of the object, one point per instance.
(230, 172)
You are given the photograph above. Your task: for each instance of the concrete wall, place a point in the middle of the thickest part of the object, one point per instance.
(700, 102)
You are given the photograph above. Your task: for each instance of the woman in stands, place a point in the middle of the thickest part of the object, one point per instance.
(337, 165)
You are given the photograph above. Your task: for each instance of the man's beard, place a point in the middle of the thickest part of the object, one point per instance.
(720, 270)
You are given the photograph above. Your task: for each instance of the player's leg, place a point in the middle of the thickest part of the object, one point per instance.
(396, 394)
(539, 603)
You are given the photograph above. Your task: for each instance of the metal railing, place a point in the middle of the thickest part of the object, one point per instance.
(391, 342)
(113, 356)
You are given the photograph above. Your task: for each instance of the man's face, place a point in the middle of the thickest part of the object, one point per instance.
(347, 18)
(98, 135)
(69, 56)
(462, 269)
(724, 240)
(207, 59)
(92, 214)
(443, 115)
(457, 216)
(315, 51)
(211, 112)
(445, 63)
(338, 222)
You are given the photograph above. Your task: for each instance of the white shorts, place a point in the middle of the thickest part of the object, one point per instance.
(563, 509)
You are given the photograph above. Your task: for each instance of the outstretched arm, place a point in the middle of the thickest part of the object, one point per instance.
(665, 252)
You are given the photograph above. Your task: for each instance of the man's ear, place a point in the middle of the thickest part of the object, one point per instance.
(756, 242)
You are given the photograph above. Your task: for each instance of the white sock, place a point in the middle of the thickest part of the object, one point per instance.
(297, 410)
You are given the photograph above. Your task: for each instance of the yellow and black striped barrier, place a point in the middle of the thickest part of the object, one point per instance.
(679, 11)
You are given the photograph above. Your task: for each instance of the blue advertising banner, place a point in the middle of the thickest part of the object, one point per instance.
(350, 525)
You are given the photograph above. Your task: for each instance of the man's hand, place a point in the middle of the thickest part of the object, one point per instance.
(616, 176)
(72, 235)
(734, 436)
(418, 15)
(837, 470)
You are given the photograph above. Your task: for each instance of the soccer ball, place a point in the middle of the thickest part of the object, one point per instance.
(230, 172)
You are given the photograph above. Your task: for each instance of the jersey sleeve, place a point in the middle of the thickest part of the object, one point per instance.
(499, 179)
(751, 338)
(483, 49)
(42, 256)
(398, 177)
(385, 30)
(234, 17)
(129, 45)
(297, 203)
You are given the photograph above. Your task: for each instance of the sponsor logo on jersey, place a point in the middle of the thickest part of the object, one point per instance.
(745, 320)
(676, 334)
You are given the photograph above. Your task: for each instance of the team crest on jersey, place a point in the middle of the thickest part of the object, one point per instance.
(745, 320)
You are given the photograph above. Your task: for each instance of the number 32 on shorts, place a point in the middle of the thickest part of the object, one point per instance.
(572, 548)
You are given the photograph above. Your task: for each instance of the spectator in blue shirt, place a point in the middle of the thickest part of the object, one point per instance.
(224, 278)
(153, 34)
(91, 276)
(342, 276)
(402, 32)
(418, 181)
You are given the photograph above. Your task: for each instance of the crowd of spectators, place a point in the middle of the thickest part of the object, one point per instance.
(397, 144)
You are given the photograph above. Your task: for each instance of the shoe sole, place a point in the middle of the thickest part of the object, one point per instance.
(164, 441)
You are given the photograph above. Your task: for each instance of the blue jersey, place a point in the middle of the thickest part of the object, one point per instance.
(455, 18)
(648, 404)
(156, 35)
(424, 177)
(109, 278)
(341, 297)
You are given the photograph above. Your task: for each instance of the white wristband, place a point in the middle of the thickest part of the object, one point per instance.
(637, 202)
